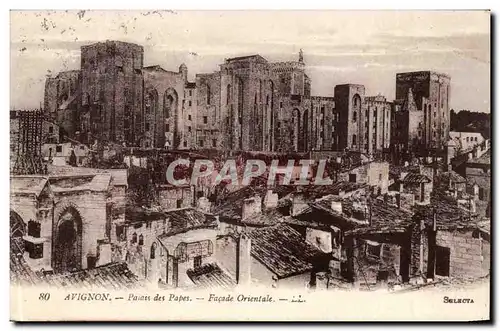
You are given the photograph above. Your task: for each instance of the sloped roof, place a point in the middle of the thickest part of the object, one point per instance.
(385, 218)
(453, 175)
(415, 178)
(211, 276)
(20, 272)
(282, 250)
(448, 214)
(30, 184)
(93, 182)
(119, 176)
(186, 219)
(483, 159)
(111, 276)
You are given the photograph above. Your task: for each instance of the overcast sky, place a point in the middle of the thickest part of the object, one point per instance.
(339, 47)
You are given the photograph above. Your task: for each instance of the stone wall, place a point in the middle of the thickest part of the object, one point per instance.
(466, 253)
(175, 197)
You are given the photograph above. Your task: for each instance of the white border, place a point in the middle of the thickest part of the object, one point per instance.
(191, 4)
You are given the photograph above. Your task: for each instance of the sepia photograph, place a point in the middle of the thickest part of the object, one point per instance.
(250, 165)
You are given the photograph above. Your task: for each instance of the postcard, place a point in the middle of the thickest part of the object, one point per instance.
(250, 165)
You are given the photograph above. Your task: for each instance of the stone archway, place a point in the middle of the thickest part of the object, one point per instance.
(17, 225)
(67, 253)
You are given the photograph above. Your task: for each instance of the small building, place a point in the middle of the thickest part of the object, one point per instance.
(66, 154)
(271, 256)
(465, 141)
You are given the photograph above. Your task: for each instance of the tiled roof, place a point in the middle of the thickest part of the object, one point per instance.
(111, 276)
(282, 250)
(114, 275)
(448, 214)
(265, 218)
(453, 175)
(232, 204)
(396, 170)
(186, 219)
(483, 159)
(27, 184)
(415, 178)
(20, 272)
(211, 276)
(385, 218)
(138, 214)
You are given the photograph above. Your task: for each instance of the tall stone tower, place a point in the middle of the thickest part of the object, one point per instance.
(112, 93)
(349, 103)
(431, 91)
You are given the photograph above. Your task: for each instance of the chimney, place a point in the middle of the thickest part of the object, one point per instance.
(337, 206)
(244, 259)
(251, 206)
(270, 200)
(475, 152)
(203, 204)
(104, 253)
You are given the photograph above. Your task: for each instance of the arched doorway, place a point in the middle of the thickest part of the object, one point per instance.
(17, 226)
(68, 241)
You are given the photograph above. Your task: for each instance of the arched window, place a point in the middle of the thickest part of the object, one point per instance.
(153, 251)
(354, 140)
(134, 238)
(356, 101)
(228, 101)
(209, 95)
(141, 240)
(168, 101)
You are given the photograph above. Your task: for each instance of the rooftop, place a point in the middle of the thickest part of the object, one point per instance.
(27, 184)
(187, 219)
(448, 214)
(247, 57)
(416, 178)
(483, 159)
(119, 176)
(20, 272)
(111, 276)
(282, 250)
(211, 276)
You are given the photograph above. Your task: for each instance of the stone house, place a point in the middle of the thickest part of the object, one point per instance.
(272, 256)
(63, 220)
